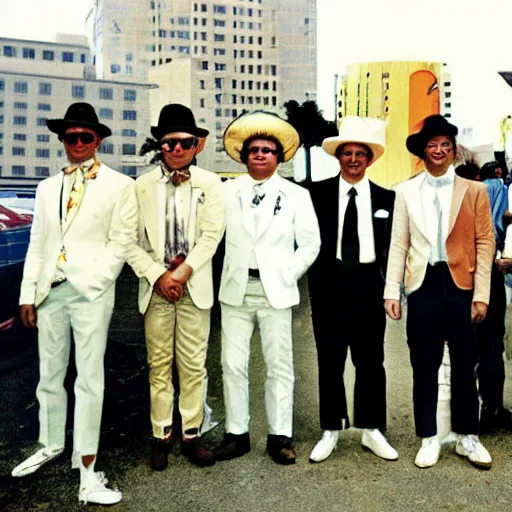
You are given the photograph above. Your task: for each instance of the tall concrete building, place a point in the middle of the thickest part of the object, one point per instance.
(220, 58)
(39, 80)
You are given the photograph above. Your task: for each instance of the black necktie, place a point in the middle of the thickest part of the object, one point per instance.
(350, 236)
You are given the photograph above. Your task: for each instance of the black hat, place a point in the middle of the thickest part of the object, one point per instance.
(433, 126)
(79, 115)
(177, 118)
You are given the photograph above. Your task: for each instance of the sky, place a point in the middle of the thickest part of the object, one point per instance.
(473, 36)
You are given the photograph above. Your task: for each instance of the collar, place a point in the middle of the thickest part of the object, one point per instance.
(361, 185)
(447, 178)
(263, 183)
(84, 165)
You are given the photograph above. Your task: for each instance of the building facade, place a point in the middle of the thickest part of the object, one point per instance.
(220, 58)
(39, 80)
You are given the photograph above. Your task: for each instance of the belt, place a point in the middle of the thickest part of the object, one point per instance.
(59, 281)
(254, 272)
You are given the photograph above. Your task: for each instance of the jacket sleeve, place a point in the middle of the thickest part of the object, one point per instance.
(485, 247)
(398, 249)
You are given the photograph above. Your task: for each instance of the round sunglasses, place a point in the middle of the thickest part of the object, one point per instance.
(170, 144)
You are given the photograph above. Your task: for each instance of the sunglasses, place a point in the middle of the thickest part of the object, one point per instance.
(72, 138)
(265, 151)
(170, 144)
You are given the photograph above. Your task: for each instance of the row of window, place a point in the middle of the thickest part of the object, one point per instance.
(223, 9)
(40, 152)
(127, 115)
(235, 84)
(42, 137)
(249, 100)
(44, 172)
(30, 53)
(107, 148)
(243, 68)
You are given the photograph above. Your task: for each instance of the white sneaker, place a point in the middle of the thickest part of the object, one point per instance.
(469, 446)
(325, 446)
(34, 462)
(428, 454)
(93, 489)
(378, 444)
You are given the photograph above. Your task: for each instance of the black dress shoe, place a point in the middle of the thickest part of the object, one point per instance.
(281, 450)
(159, 451)
(492, 418)
(233, 446)
(196, 454)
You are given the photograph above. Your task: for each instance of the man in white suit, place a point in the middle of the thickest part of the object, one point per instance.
(181, 222)
(84, 221)
(272, 238)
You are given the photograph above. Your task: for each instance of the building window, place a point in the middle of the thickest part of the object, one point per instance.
(42, 172)
(106, 113)
(219, 51)
(274, 101)
(129, 133)
(67, 56)
(18, 170)
(183, 35)
(218, 98)
(233, 84)
(204, 8)
(204, 65)
(10, 51)
(44, 106)
(2, 85)
(201, 102)
(116, 68)
(106, 94)
(129, 57)
(219, 9)
(273, 70)
(29, 53)
(129, 149)
(42, 153)
(20, 136)
(20, 104)
(43, 138)
(78, 91)
(45, 88)
(48, 55)
(220, 67)
(107, 148)
(218, 37)
(82, 58)
(218, 83)
(41, 121)
(201, 84)
(219, 23)
(21, 87)
(2, 120)
(129, 115)
(218, 112)
(129, 170)
(18, 151)
(19, 120)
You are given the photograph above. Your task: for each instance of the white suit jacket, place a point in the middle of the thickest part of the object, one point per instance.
(96, 241)
(206, 228)
(286, 244)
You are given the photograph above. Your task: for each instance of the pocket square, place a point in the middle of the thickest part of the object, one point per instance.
(381, 214)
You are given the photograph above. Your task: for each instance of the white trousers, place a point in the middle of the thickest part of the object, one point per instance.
(63, 311)
(276, 339)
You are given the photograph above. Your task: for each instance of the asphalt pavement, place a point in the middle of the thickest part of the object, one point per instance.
(351, 479)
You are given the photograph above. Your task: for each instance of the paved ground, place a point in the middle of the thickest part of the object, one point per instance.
(352, 479)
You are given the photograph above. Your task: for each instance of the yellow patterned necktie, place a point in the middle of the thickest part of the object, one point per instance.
(76, 194)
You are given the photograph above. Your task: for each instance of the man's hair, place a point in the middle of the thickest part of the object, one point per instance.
(244, 153)
(339, 149)
(469, 171)
(488, 170)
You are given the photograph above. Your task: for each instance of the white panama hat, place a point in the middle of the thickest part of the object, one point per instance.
(359, 130)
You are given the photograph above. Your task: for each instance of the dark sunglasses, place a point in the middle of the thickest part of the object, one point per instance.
(72, 138)
(265, 151)
(170, 144)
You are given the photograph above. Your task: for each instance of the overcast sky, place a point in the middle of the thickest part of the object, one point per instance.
(469, 34)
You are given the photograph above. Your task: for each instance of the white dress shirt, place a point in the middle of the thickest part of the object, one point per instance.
(364, 218)
(443, 187)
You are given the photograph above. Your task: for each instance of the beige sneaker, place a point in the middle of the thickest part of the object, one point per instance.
(469, 446)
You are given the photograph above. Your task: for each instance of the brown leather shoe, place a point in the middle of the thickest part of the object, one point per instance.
(159, 452)
(196, 454)
(281, 450)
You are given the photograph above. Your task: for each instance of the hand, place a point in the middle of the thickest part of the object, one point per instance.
(168, 288)
(28, 315)
(393, 309)
(478, 312)
(182, 273)
(505, 265)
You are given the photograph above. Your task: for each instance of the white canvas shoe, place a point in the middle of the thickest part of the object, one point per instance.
(469, 446)
(378, 444)
(93, 489)
(428, 454)
(34, 462)
(325, 446)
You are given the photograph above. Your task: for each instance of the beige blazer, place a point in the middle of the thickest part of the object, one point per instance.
(205, 233)
(470, 244)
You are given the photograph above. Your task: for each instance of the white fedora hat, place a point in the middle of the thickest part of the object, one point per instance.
(359, 130)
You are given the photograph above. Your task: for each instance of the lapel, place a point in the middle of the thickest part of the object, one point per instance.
(376, 204)
(414, 201)
(267, 206)
(56, 199)
(460, 188)
(241, 201)
(330, 197)
(153, 204)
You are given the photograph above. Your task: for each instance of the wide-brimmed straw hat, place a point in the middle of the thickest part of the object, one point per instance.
(80, 115)
(432, 126)
(263, 123)
(177, 118)
(359, 130)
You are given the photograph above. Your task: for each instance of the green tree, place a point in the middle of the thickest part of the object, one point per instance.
(309, 121)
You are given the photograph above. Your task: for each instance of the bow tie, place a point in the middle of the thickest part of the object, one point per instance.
(438, 182)
(90, 172)
(177, 176)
